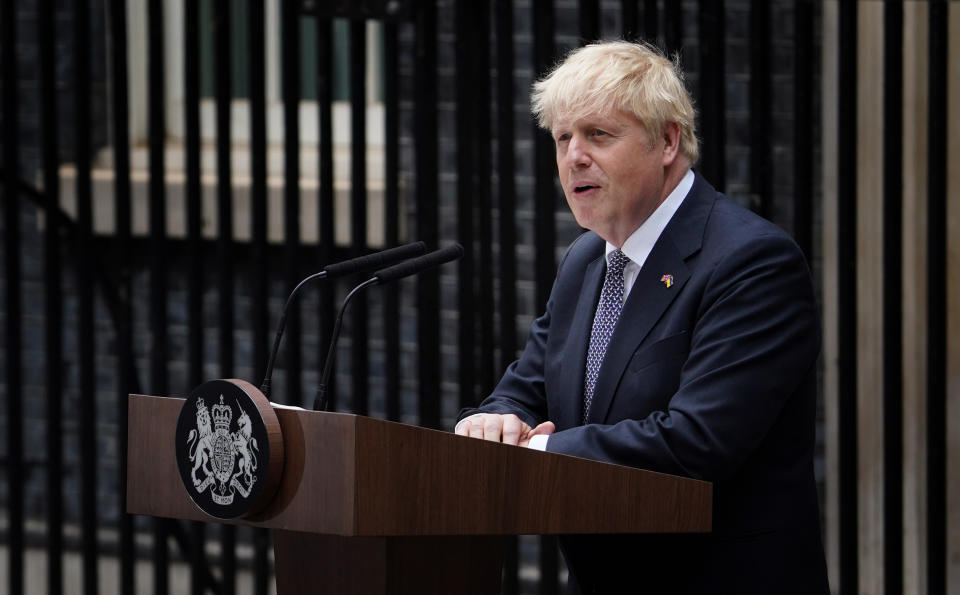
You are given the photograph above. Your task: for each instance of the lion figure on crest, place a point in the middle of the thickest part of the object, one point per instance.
(200, 443)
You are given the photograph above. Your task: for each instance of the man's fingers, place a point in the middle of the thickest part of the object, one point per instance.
(492, 427)
(508, 429)
(546, 428)
(513, 428)
(471, 427)
(474, 428)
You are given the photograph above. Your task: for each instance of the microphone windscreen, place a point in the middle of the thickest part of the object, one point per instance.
(421, 263)
(376, 260)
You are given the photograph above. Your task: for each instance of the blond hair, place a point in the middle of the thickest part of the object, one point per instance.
(618, 75)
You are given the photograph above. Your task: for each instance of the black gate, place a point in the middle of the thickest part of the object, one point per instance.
(171, 171)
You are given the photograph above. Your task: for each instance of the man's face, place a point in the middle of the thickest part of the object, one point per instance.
(612, 172)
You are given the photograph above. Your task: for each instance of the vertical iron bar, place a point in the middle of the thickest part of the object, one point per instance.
(545, 199)
(158, 261)
(358, 207)
(511, 566)
(761, 121)
(53, 312)
(325, 210)
(506, 187)
(466, 200)
(428, 283)
(545, 235)
(291, 190)
(630, 16)
(712, 86)
(847, 297)
(673, 26)
(223, 93)
(506, 206)
(258, 218)
(803, 126)
(191, 109)
(259, 278)
(126, 372)
(589, 21)
(11, 229)
(651, 21)
(483, 166)
(549, 565)
(85, 310)
(892, 298)
(391, 219)
(937, 301)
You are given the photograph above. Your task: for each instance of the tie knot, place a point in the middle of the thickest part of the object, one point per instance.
(617, 261)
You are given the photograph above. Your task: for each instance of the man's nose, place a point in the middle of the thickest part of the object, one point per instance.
(577, 153)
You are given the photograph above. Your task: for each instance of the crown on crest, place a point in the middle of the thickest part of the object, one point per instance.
(222, 415)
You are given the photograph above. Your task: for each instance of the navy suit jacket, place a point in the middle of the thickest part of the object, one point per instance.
(713, 378)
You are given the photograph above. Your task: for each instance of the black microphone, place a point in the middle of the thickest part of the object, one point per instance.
(332, 271)
(375, 260)
(397, 271)
(418, 264)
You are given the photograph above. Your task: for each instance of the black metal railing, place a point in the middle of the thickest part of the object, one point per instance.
(936, 492)
(847, 295)
(95, 307)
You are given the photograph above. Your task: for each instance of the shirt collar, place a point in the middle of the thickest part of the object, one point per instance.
(640, 243)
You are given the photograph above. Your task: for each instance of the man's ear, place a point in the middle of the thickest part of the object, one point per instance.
(671, 143)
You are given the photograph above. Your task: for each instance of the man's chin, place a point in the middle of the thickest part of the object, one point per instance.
(584, 215)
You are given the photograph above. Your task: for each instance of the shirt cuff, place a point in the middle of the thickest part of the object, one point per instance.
(538, 442)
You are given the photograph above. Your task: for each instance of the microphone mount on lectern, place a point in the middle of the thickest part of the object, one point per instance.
(332, 271)
(386, 275)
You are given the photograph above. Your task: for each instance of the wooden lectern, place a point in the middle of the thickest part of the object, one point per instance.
(370, 506)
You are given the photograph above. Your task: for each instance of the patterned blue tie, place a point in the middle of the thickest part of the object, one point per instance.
(604, 321)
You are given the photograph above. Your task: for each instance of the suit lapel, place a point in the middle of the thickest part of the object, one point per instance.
(650, 296)
(578, 340)
(646, 303)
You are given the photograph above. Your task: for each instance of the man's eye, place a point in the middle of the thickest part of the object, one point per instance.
(563, 137)
(599, 132)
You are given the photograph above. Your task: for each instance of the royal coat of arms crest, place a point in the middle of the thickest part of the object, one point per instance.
(224, 460)
(229, 448)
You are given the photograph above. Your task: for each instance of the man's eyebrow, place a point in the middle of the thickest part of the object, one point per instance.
(589, 123)
(600, 122)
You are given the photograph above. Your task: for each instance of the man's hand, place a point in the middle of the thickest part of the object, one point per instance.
(508, 429)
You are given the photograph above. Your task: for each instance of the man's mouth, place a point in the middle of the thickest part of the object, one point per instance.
(584, 188)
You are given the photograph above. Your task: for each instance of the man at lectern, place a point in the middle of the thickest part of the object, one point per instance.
(681, 336)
